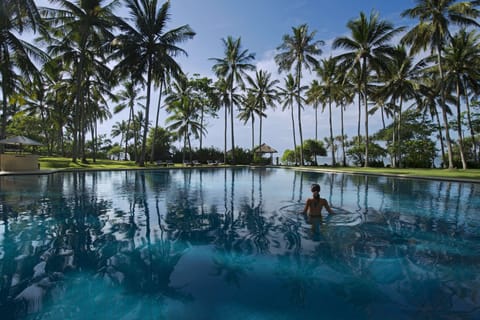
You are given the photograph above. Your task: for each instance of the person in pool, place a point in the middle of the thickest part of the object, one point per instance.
(313, 206)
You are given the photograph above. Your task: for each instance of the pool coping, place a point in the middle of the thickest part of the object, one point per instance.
(313, 169)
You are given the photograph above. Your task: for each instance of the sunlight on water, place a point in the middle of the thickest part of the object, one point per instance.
(234, 244)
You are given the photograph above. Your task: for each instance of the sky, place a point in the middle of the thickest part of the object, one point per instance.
(261, 25)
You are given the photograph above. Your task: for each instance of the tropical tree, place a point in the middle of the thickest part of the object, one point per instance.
(314, 96)
(79, 32)
(146, 48)
(264, 93)
(299, 51)
(460, 61)
(289, 94)
(247, 113)
(17, 55)
(367, 48)
(398, 83)
(432, 31)
(233, 68)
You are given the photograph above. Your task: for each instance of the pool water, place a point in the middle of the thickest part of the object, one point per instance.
(226, 243)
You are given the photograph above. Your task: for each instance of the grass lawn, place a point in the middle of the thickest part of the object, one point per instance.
(66, 163)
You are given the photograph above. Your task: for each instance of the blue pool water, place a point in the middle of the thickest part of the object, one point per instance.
(229, 244)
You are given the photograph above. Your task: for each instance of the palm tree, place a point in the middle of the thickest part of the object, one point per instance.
(233, 68)
(248, 111)
(128, 97)
(290, 94)
(367, 49)
(328, 71)
(460, 62)
(16, 55)
(264, 93)
(315, 96)
(433, 31)
(81, 31)
(399, 83)
(184, 113)
(298, 51)
(147, 48)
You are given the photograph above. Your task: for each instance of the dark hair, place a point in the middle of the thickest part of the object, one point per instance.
(315, 187)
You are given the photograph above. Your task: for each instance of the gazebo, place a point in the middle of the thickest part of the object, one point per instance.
(265, 149)
(19, 161)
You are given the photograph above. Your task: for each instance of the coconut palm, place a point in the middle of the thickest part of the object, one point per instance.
(314, 96)
(367, 48)
(432, 31)
(184, 117)
(264, 93)
(399, 84)
(299, 51)
(460, 61)
(328, 71)
(290, 95)
(78, 32)
(248, 111)
(146, 48)
(17, 55)
(129, 97)
(233, 67)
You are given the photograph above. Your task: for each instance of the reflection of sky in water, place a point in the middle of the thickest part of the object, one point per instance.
(230, 244)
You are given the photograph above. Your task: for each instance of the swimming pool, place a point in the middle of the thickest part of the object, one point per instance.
(226, 243)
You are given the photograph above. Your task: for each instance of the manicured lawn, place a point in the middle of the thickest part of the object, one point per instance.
(66, 163)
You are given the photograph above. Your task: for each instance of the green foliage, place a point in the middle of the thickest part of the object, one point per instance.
(356, 152)
(418, 153)
(312, 148)
(163, 143)
(288, 157)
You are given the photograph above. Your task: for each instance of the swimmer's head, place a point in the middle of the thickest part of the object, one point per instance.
(315, 187)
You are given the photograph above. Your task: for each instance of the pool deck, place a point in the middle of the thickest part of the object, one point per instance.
(308, 169)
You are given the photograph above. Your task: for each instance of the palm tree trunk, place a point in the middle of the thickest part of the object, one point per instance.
(470, 126)
(399, 132)
(444, 109)
(365, 102)
(231, 129)
(332, 145)
(225, 137)
(152, 155)
(299, 115)
(141, 163)
(344, 156)
(253, 137)
(459, 127)
(294, 139)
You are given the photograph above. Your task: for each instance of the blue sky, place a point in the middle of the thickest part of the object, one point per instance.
(261, 25)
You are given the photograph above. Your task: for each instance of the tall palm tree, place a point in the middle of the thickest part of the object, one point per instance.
(146, 48)
(129, 97)
(264, 93)
(460, 61)
(16, 55)
(367, 48)
(328, 71)
(184, 117)
(299, 50)
(290, 95)
(399, 83)
(79, 31)
(233, 68)
(248, 112)
(432, 31)
(314, 96)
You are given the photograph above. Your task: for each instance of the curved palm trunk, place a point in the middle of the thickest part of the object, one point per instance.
(459, 127)
(439, 126)
(152, 154)
(332, 145)
(399, 132)
(470, 126)
(225, 136)
(365, 102)
(444, 110)
(344, 157)
(260, 131)
(141, 163)
(299, 114)
(294, 138)
(253, 137)
(231, 129)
